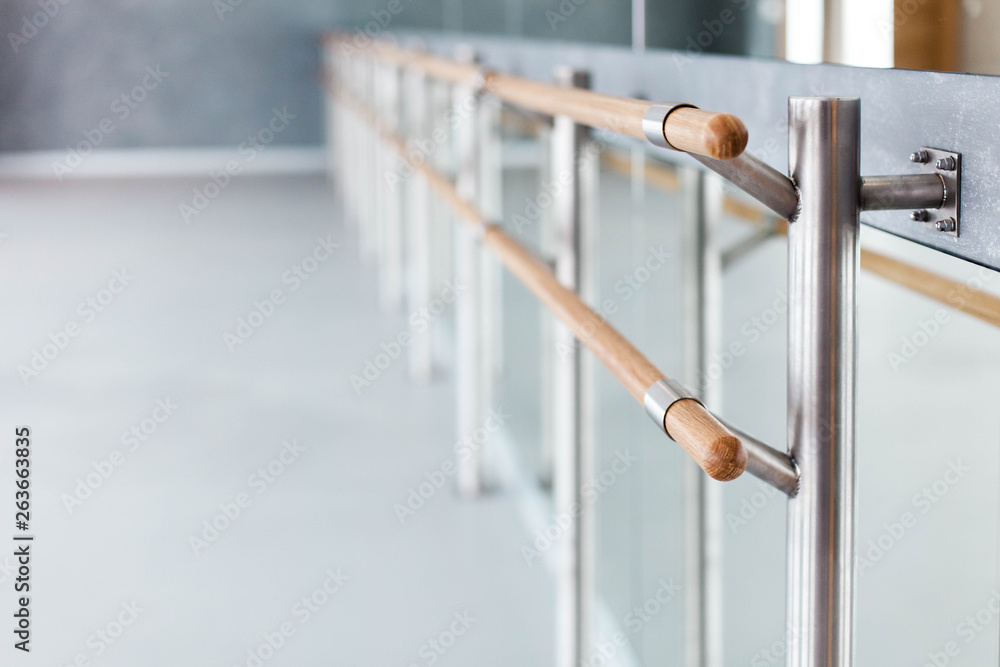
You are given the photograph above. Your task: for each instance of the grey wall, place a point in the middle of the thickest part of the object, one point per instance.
(59, 82)
(224, 76)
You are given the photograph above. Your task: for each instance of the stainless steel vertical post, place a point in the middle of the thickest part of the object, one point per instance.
(572, 458)
(824, 162)
(465, 107)
(418, 216)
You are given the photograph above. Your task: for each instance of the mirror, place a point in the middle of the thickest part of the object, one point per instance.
(942, 35)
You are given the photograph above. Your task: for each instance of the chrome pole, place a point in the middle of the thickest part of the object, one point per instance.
(418, 216)
(345, 145)
(467, 273)
(573, 460)
(331, 126)
(368, 163)
(547, 243)
(702, 500)
(824, 162)
(390, 194)
(442, 231)
(490, 193)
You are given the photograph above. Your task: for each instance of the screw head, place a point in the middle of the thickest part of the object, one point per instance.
(946, 225)
(945, 164)
(919, 157)
(919, 215)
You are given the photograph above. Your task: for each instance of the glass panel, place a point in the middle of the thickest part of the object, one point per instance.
(748, 365)
(928, 461)
(638, 512)
(928, 469)
(522, 385)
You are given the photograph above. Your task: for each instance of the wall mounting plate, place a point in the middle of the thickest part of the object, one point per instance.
(951, 208)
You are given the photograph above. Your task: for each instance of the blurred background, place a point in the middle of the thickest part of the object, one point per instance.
(230, 62)
(214, 485)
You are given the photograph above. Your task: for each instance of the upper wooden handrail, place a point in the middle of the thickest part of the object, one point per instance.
(713, 446)
(686, 128)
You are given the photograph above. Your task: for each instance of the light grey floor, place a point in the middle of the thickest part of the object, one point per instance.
(331, 509)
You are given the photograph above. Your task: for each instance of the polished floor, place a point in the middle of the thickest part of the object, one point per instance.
(209, 488)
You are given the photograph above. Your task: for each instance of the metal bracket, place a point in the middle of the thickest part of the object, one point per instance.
(947, 165)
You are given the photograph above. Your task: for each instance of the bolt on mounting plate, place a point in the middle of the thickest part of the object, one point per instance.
(950, 170)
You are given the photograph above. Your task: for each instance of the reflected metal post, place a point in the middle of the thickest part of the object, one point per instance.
(418, 216)
(573, 458)
(333, 135)
(468, 331)
(389, 189)
(345, 143)
(824, 162)
(490, 194)
(367, 146)
(702, 267)
(443, 233)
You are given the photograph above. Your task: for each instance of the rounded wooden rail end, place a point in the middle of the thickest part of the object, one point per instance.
(713, 446)
(722, 136)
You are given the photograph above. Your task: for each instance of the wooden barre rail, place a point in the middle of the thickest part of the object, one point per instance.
(964, 298)
(686, 128)
(713, 446)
